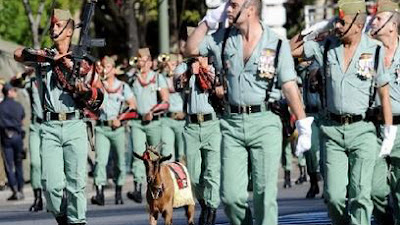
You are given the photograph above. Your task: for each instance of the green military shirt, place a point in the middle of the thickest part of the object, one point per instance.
(197, 101)
(246, 84)
(394, 73)
(146, 96)
(175, 98)
(349, 92)
(32, 86)
(56, 99)
(121, 92)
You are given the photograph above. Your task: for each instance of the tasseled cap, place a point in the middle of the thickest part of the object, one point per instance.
(387, 6)
(143, 52)
(351, 7)
(60, 15)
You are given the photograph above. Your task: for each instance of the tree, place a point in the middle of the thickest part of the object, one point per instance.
(30, 20)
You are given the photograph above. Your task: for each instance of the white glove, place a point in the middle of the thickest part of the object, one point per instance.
(213, 4)
(215, 16)
(312, 32)
(304, 140)
(389, 136)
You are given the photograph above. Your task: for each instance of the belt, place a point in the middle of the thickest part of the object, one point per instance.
(345, 119)
(200, 117)
(140, 117)
(63, 116)
(246, 109)
(105, 123)
(37, 120)
(396, 120)
(172, 115)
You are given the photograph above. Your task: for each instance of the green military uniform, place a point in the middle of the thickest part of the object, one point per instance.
(64, 144)
(107, 137)
(172, 126)
(350, 143)
(146, 97)
(202, 141)
(250, 129)
(31, 85)
(382, 184)
(64, 149)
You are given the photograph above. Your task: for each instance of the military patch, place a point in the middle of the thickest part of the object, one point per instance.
(397, 72)
(366, 66)
(266, 67)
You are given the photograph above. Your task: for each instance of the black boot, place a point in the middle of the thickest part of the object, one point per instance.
(287, 183)
(38, 202)
(211, 216)
(98, 199)
(136, 195)
(16, 195)
(203, 213)
(303, 175)
(62, 220)
(314, 189)
(118, 196)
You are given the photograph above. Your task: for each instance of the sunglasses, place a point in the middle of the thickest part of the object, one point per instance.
(342, 22)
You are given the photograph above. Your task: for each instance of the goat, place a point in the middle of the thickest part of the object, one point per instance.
(160, 186)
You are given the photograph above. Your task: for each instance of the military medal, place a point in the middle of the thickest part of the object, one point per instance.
(266, 62)
(366, 66)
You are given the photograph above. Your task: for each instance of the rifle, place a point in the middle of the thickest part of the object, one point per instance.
(81, 51)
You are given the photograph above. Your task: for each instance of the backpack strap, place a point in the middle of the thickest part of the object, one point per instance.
(273, 80)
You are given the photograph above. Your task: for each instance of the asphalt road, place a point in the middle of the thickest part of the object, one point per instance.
(293, 209)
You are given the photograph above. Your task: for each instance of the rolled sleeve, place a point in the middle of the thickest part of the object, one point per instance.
(286, 71)
(382, 77)
(314, 50)
(205, 45)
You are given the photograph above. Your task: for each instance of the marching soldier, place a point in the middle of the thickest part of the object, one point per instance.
(146, 87)
(30, 83)
(109, 131)
(385, 29)
(353, 65)
(64, 136)
(313, 108)
(254, 60)
(174, 121)
(202, 137)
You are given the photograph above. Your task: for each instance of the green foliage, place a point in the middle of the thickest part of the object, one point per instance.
(14, 24)
(191, 16)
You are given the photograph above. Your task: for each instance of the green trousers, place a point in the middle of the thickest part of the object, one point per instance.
(172, 137)
(106, 139)
(34, 149)
(312, 156)
(287, 155)
(350, 156)
(203, 154)
(386, 179)
(258, 136)
(64, 156)
(150, 133)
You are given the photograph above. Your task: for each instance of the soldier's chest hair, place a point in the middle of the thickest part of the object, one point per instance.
(249, 45)
(348, 56)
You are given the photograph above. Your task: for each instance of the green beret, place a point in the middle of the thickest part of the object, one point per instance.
(351, 7)
(387, 6)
